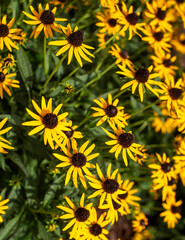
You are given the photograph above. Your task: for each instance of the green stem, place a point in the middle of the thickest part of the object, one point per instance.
(158, 145)
(45, 69)
(145, 108)
(68, 76)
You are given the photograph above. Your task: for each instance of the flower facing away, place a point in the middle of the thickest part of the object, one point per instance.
(141, 77)
(122, 141)
(78, 162)
(110, 111)
(44, 19)
(80, 216)
(129, 20)
(48, 120)
(172, 211)
(75, 45)
(8, 61)
(7, 34)
(108, 187)
(3, 142)
(5, 81)
(3, 207)
(140, 223)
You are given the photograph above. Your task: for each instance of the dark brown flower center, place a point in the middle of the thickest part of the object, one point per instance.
(180, 1)
(69, 134)
(8, 61)
(161, 14)
(62, 1)
(158, 36)
(166, 167)
(112, 22)
(95, 229)
(142, 222)
(175, 209)
(4, 30)
(106, 38)
(132, 18)
(139, 156)
(111, 111)
(50, 120)
(142, 75)
(76, 38)
(171, 182)
(177, 143)
(110, 186)
(123, 196)
(79, 160)
(167, 63)
(175, 93)
(47, 17)
(82, 214)
(2, 77)
(116, 205)
(124, 54)
(182, 42)
(126, 140)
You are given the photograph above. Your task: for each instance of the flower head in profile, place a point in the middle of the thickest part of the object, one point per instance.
(140, 223)
(48, 120)
(141, 78)
(7, 34)
(3, 207)
(78, 162)
(102, 38)
(8, 61)
(79, 216)
(6, 81)
(45, 20)
(3, 142)
(74, 44)
(143, 157)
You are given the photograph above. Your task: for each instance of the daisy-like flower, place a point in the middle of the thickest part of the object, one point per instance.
(108, 188)
(140, 223)
(44, 19)
(144, 235)
(179, 43)
(22, 39)
(3, 207)
(143, 157)
(181, 120)
(129, 19)
(74, 44)
(163, 171)
(78, 162)
(157, 39)
(96, 227)
(5, 81)
(48, 120)
(102, 39)
(171, 93)
(164, 65)
(179, 142)
(172, 211)
(121, 55)
(69, 89)
(3, 142)
(141, 77)
(158, 13)
(122, 141)
(7, 34)
(110, 111)
(8, 61)
(80, 216)
(108, 3)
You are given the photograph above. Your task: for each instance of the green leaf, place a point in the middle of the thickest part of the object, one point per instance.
(16, 159)
(14, 119)
(42, 232)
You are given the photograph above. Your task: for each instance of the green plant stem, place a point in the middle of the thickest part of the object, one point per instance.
(145, 108)
(68, 76)
(159, 145)
(45, 69)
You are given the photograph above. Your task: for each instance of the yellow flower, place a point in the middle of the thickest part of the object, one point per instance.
(141, 77)
(108, 3)
(140, 223)
(140, 158)
(8, 61)
(69, 89)
(45, 20)
(80, 216)
(2, 207)
(181, 120)
(124, 142)
(5, 81)
(110, 111)
(78, 162)
(172, 211)
(7, 34)
(179, 43)
(74, 44)
(59, 2)
(102, 38)
(3, 142)
(48, 120)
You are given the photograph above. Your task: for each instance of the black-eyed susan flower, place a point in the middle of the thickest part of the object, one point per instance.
(122, 141)
(3, 142)
(121, 55)
(8, 61)
(96, 228)
(45, 20)
(78, 162)
(48, 120)
(164, 65)
(158, 13)
(163, 171)
(178, 43)
(179, 142)
(7, 34)
(108, 188)
(22, 38)
(69, 89)
(143, 157)
(140, 223)
(102, 38)
(79, 216)
(181, 120)
(172, 211)
(144, 235)
(141, 77)
(110, 112)
(3, 207)
(129, 20)
(108, 3)
(6, 81)
(74, 44)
